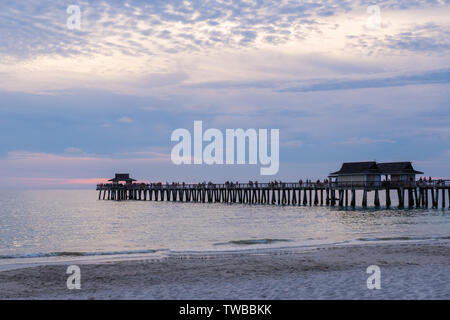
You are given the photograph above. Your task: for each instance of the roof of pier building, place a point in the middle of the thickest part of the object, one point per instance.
(371, 167)
(350, 168)
(394, 168)
(122, 177)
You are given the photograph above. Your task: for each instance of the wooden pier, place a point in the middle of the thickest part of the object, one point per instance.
(415, 194)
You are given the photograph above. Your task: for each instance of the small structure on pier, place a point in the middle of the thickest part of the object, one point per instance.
(125, 177)
(360, 172)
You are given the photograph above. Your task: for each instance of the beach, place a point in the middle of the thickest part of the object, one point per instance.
(411, 270)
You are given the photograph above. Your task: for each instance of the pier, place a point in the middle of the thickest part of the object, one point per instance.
(414, 194)
(340, 189)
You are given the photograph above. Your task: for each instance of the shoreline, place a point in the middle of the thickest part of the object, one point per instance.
(23, 261)
(413, 270)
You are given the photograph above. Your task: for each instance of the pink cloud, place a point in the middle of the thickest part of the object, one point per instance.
(61, 181)
(46, 158)
(58, 181)
(30, 169)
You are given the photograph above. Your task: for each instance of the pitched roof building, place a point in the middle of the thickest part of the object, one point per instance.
(370, 171)
(125, 177)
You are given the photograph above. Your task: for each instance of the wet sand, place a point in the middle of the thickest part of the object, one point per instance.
(408, 271)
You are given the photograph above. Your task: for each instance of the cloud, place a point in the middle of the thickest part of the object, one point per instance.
(429, 77)
(161, 47)
(364, 140)
(73, 150)
(293, 144)
(124, 120)
(169, 27)
(25, 168)
(39, 27)
(435, 132)
(56, 182)
(48, 159)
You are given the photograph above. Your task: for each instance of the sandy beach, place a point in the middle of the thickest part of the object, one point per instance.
(408, 271)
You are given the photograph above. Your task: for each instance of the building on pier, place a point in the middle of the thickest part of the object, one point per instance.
(122, 177)
(370, 172)
(357, 172)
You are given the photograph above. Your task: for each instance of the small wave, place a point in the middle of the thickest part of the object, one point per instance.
(252, 242)
(76, 254)
(404, 238)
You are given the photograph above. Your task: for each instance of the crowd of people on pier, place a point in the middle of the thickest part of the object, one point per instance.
(275, 183)
(227, 184)
(430, 181)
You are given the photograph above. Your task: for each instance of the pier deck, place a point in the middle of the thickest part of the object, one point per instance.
(419, 194)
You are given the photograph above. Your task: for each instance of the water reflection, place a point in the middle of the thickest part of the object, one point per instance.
(34, 222)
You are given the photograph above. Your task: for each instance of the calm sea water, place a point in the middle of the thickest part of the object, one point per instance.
(70, 223)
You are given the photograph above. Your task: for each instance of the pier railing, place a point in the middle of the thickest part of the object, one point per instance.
(287, 185)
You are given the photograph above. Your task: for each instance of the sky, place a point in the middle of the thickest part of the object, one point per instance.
(340, 82)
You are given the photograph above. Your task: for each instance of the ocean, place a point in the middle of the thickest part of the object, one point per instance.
(73, 223)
